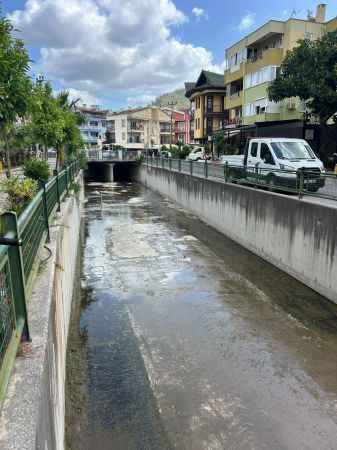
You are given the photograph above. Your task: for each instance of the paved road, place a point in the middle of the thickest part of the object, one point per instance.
(187, 341)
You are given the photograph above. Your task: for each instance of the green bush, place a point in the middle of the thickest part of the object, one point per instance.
(83, 160)
(19, 193)
(37, 169)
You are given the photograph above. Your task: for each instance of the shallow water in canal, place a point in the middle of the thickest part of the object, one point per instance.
(181, 339)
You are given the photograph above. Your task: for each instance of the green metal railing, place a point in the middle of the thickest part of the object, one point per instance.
(20, 241)
(303, 182)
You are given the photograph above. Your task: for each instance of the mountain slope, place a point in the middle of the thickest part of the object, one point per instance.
(177, 96)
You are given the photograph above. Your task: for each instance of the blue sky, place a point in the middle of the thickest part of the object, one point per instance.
(125, 52)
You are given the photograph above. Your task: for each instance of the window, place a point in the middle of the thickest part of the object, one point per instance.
(123, 123)
(253, 150)
(209, 103)
(123, 136)
(293, 150)
(309, 36)
(93, 123)
(264, 75)
(265, 154)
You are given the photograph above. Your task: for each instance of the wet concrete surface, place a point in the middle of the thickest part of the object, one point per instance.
(188, 341)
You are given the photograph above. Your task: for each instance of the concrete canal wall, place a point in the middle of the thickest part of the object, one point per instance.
(296, 236)
(34, 410)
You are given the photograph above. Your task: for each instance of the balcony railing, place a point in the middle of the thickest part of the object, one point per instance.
(235, 95)
(214, 109)
(233, 121)
(136, 127)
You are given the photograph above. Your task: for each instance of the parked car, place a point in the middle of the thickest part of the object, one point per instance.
(198, 154)
(165, 154)
(279, 162)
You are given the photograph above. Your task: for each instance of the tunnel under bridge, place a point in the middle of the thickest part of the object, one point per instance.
(109, 171)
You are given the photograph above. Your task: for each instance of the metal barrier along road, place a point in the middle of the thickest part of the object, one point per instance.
(20, 241)
(313, 182)
(113, 155)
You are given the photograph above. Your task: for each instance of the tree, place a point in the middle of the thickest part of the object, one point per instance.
(219, 142)
(72, 140)
(15, 84)
(46, 120)
(309, 72)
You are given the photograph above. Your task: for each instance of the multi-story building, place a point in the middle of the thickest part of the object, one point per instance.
(94, 129)
(187, 124)
(138, 129)
(207, 97)
(180, 123)
(253, 63)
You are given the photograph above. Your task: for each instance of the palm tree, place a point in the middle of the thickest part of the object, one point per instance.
(73, 118)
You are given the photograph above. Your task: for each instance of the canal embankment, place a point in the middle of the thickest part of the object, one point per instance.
(33, 413)
(296, 236)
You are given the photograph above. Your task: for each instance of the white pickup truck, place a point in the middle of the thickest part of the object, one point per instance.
(278, 162)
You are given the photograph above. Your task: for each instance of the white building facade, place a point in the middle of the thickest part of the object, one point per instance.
(93, 131)
(138, 129)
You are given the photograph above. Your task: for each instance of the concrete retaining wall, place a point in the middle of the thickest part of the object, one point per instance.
(34, 410)
(296, 236)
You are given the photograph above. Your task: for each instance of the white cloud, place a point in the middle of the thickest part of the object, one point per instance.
(140, 100)
(85, 98)
(103, 46)
(199, 13)
(247, 21)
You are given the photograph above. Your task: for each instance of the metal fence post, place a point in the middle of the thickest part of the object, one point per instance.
(206, 169)
(170, 164)
(256, 173)
(9, 225)
(179, 165)
(56, 174)
(301, 184)
(191, 167)
(45, 208)
(226, 171)
(67, 179)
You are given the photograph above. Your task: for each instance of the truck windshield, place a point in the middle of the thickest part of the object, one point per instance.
(292, 150)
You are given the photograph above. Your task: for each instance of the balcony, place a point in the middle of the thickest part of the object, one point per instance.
(264, 117)
(233, 123)
(233, 75)
(234, 100)
(214, 109)
(270, 57)
(164, 129)
(135, 126)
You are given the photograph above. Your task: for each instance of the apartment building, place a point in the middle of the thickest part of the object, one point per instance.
(138, 129)
(253, 63)
(207, 97)
(180, 123)
(94, 129)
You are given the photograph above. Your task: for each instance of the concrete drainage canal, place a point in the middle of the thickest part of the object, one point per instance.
(181, 339)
